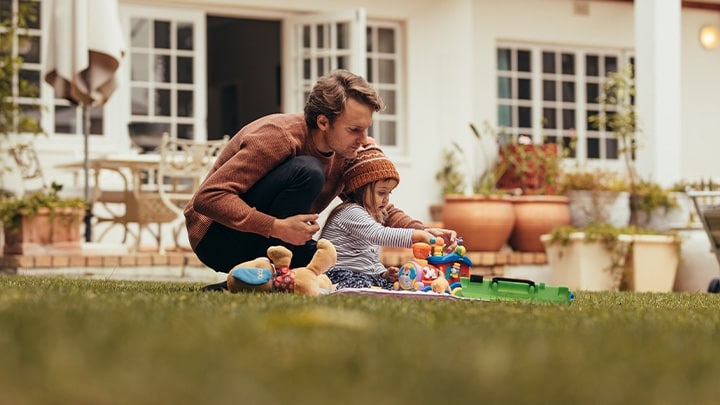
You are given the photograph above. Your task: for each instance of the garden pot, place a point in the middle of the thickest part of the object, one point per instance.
(653, 264)
(586, 265)
(484, 222)
(663, 219)
(436, 212)
(36, 234)
(536, 215)
(588, 206)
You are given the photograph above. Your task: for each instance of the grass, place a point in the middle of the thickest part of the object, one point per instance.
(70, 341)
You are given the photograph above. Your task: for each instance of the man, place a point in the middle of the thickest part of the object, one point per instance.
(277, 174)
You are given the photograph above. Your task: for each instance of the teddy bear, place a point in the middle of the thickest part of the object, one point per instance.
(274, 274)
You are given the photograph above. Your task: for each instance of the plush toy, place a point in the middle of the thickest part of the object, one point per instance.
(255, 275)
(274, 274)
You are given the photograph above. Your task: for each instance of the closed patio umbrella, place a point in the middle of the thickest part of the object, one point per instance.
(83, 55)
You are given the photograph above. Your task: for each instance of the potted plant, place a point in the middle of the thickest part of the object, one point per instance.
(596, 196)
(450, 177)
(35, 222)
(658, 208)
(530, 174)
(534, 169)
(474, 207)
(591, 258)
(651, 205)
(534, 172)
(602, 257)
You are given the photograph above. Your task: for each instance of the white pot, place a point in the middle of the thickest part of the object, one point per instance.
(585, 265)
(588, 206)
(662, 219)
(654, 263)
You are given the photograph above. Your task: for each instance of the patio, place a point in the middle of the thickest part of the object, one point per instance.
(116, 261)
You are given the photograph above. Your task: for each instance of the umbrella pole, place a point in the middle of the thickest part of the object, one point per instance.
(86, 167)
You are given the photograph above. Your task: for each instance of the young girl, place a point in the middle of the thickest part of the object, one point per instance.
(356, 226)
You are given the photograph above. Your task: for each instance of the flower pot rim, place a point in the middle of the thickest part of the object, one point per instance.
(595, 191)
(579, 236)
(653, 238)
(477, 197)
(541, 198)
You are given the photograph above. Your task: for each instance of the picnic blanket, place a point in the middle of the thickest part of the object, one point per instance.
(376, 292)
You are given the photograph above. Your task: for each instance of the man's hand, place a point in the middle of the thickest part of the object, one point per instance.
(297, 229)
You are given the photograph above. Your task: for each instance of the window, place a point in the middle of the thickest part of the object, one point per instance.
(164, 81)
(549, 93)
(24, 39)
(384, 72)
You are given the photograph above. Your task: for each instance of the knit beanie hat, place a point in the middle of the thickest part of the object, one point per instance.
(370, 165)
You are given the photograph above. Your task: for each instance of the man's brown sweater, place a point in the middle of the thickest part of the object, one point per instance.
(254, 151)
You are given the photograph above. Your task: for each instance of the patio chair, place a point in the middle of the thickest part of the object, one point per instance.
(183, 166)
(31, 173)
(707, 206)
(136, 206)
(28, 164)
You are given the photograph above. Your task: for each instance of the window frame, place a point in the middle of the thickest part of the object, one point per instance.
(399, 107)
(579, 133)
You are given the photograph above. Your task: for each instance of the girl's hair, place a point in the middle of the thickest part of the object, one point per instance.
(363, 196)
(331, 92)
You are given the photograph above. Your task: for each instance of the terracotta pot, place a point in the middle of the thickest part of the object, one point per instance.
(484, 222)
(35, 235)
(536, 215)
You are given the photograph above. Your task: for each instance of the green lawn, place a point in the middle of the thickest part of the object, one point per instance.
(69, 341)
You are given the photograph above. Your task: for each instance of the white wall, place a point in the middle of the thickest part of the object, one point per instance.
(700, 74)
(450, 63)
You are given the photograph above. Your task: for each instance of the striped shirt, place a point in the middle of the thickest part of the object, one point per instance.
(358, 237)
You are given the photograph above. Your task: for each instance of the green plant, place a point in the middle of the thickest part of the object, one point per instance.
(619, 115)
(486, 182)
(14, 118)
(598, 180)
(648, 195)
(455, 180)
(450, 177)
(517, 164)
(12, 209)
(532, 168)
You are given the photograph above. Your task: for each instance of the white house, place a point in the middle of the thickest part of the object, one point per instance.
(203, 69)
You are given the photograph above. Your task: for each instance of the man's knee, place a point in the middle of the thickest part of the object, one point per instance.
(310, 171)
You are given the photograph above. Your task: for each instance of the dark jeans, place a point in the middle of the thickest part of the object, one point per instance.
(289, 189)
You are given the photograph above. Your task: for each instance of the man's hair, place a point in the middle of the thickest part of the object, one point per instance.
(331, 92)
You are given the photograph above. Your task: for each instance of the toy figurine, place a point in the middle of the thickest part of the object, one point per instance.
(438, 246)
(408, 278)
(452, 272)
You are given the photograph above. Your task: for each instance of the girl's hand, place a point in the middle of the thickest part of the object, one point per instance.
(448, 235)
(391, 274)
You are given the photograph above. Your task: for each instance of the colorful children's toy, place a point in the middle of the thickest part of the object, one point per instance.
(430, 270)
(513, 289)
(274, 274)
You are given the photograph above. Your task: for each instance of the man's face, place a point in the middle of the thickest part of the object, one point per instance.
(349, 131)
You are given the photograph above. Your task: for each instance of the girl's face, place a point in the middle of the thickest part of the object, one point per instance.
(381, 194)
